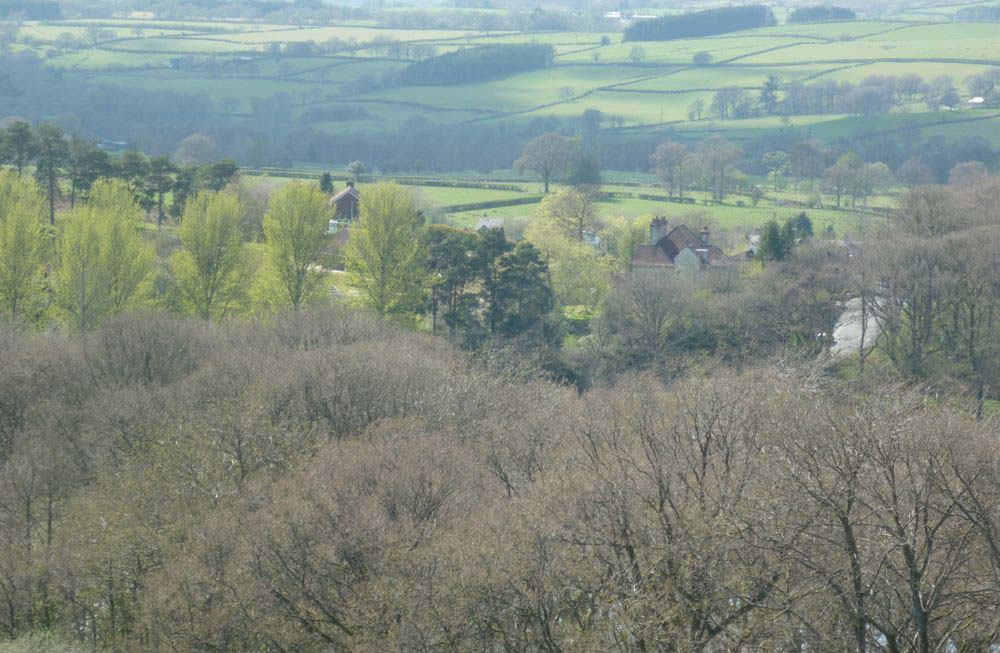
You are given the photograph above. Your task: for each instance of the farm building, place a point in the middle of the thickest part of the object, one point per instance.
(346, 207)
(679, 248)
(346, 204)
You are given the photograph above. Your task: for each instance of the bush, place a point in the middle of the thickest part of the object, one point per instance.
(40, 643)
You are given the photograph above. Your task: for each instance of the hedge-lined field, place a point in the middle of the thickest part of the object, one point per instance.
(637, 86)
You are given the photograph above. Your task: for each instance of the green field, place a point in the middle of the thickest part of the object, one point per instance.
(235, 64)
(231, 61)
(658, 90)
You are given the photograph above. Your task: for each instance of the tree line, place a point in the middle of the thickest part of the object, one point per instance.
(59, 160)
(479, 63)
(716, 165)
(820, 13)
(708, 22)
(94, 262)
(986, 13)
(877, 94)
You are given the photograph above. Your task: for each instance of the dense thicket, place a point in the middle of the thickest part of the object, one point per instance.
(321, 481)
(479, 63)
(820, 14)
(700, 23)
(989, 13)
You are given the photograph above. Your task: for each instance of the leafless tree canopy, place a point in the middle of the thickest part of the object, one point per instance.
(322, 482)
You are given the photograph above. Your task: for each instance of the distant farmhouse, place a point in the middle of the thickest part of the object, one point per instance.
(346, 207)
(680, 249)
(346, 204)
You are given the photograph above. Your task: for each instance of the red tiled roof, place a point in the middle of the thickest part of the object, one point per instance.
(676, 241)
(650, 256)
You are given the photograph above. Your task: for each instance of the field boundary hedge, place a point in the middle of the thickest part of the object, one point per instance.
(492, 204)
(292, 173)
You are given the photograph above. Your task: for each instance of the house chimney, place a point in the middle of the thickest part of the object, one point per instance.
(657, 230)
(704, 235)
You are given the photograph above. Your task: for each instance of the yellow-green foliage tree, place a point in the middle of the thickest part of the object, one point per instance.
(295, 232)
(384, 254)
(212, 269)
(22, 245)
(621, 236)
(574, 211)
(580, 275)
(104, 266)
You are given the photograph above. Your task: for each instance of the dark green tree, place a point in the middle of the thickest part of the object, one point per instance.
(161, 181)
(451, 271)
(775, 244)
(215, 176)
(492, 245)
(769, 94)
(86, 164)
(326, 183)
(52, 154)
(802, 226)
(585, 173)
(522, 296)
(19, 144)
(133, 168)
(184, 186)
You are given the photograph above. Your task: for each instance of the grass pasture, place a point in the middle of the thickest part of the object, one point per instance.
(932, 43)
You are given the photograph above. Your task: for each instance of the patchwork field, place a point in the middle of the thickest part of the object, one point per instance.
(646, 86)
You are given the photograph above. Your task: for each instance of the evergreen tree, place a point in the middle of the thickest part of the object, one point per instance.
(802, 226)
(451, 272)
(52, 151)
(522, 297)
(774, 243)
(585, 173)
(133, 168)
(492, 245)
(326, 183)
(20, 145)
(161, 181)
(85, 164)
